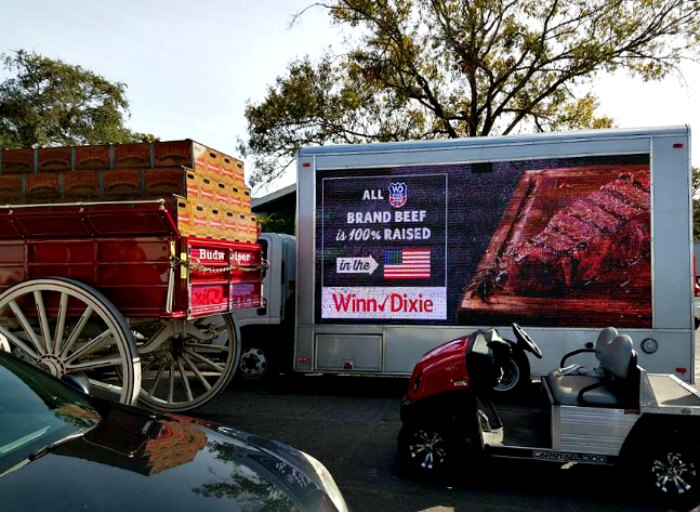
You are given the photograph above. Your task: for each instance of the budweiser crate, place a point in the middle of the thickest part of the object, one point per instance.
(245, 199)
(192, 218)
(232, 170)
(167, 181)
(44, 185)
(215, 224)
(200, 219)
(96, 157)
(79, 185)
(230, 225)
(184, 217)
(222, 195)
(240, 227)
(122, 183)
(17, 161)
(132, 155)
(55, 159)
(190, 154)
(235, 199)
(11, 188)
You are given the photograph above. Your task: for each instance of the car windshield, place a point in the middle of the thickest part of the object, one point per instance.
(36, 410)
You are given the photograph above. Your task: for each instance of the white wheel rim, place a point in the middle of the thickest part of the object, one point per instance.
(64, 327)
(185, 372)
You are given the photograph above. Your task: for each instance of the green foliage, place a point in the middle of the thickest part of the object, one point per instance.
(277, 222)
(423, 69)
(48, 102)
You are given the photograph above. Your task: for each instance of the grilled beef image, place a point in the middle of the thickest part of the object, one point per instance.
(605, 230)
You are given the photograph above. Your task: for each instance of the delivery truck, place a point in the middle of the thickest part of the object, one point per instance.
(403, 245)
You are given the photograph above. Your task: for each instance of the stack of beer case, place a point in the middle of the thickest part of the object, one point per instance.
(204, 188)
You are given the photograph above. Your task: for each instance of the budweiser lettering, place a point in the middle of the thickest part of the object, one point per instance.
(210, 254)
(242, 257)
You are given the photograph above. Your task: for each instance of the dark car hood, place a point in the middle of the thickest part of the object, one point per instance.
(136, 461)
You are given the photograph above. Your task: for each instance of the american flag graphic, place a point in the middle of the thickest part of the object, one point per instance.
(406, 263)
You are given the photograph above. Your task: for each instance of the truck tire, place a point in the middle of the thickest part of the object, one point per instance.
(255, 364)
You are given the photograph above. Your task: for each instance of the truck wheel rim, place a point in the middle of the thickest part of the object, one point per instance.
(427, 450)
(673, 474)
(253, 363)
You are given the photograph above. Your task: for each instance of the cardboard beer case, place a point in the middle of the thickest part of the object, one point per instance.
(17, 161)
(93, 157)
(54, 159)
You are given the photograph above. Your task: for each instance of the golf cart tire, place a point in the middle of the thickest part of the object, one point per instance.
(430, 450)
(516, 381)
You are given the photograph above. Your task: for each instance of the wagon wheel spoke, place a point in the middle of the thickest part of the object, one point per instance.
(91, 364)
(14, 340)
(60, 323)
(77, 330)
(154, 386)
(196, 371)
(90, 346)
(199, 359)
(65, 326)
(44, 329)
(27, 327)
(204, 360)
(185, 380)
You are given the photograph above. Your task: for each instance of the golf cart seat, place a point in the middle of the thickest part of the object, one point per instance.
(605, 337)
(616, 386)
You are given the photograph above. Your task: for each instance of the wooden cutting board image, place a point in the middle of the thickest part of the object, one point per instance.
(572, 249)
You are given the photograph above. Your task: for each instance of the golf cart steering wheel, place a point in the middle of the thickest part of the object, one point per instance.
(526, 340)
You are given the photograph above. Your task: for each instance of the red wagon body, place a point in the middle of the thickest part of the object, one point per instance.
(112, 291)
(133, 254)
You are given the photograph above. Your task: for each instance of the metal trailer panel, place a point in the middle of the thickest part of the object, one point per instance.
(402, 345)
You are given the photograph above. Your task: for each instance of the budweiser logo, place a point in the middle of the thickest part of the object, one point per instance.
(209, 254)
(242, 257)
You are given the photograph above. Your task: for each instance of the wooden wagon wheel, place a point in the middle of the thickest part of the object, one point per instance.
(64, 326)
(186, 363)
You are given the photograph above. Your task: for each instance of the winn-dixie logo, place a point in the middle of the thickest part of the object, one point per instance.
(394, 303)
(399, 302)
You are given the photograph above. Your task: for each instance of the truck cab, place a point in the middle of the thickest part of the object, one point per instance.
(267, 333)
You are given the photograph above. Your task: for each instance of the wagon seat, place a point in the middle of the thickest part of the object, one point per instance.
(617, 386)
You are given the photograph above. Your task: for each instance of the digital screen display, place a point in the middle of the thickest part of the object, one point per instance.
(562, 242)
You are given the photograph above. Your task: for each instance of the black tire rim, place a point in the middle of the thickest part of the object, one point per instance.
(428, 450)
(253, 365)
(510, 379)
(674, 474)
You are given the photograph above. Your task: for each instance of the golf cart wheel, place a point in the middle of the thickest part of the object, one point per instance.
(427, 449)
(672, 473)
(516, 376)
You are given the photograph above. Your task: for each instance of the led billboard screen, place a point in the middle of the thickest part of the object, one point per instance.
(561, 242)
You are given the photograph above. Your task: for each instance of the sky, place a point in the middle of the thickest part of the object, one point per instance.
(190, 67)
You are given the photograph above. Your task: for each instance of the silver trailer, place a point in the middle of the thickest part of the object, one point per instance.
(403, 245)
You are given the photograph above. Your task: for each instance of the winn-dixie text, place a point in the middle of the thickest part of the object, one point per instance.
(399, 302)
